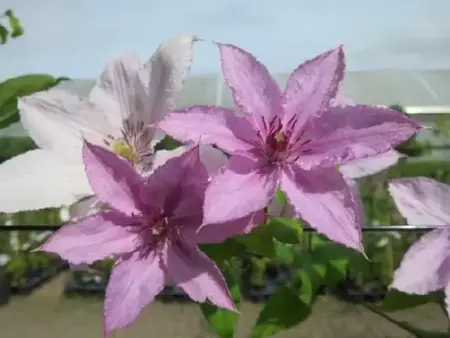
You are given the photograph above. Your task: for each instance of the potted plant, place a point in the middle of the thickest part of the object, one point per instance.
(90, 280)
(5, 281)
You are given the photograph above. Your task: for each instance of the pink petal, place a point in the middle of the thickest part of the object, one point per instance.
(421, 200)
(211, 125)
(189, 268)
(324, 200)
(178, 183)
(344, 134)
(312, 86)
(162, 156)
(113, 179)
(370, 165)
(243, 187)
(217, 233)
(134, 283)
(163, 76)
(92, 238)
(426, 266)
(254, 90)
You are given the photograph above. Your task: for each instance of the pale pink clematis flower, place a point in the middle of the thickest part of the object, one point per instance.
(127, 98)
(426, 265)
(152, 228)
(292, 139)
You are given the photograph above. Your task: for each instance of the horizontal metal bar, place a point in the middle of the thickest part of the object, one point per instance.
(373, 228)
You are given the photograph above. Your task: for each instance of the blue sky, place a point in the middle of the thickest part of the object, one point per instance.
(76, 37)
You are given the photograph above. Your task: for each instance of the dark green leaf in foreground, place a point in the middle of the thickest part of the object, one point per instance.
(282, 311)
(20, 86)
(220, 252)
(259, 241)
(396, 300)
(286, 230)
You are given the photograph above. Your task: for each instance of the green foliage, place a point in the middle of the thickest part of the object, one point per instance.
(14, 23)
(167, 143)
(411, 147)
(15, 28)
(283, 310)
(223, 322)
(12, 89)
(396, 300)
(259, 241)
(285, 230)
(13, 146)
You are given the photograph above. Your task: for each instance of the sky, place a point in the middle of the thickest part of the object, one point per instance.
(76, 38)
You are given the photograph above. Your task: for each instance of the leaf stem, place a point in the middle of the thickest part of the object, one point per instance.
(389, 319)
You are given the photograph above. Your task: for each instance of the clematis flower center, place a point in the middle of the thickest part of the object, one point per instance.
(135, 145)
(277, 142)
(160, 227)
(123, 149)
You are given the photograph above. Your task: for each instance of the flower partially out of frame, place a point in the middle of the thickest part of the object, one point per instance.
(425, 267)
(291, 139)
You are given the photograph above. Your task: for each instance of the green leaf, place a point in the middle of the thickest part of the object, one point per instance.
(167, 143)
(14, 22)
(223, 322)
(16, 87)
(280, 197)
(284, 252)
(3, 34)
(396, 300)
(13, 146)
(282, 311)
(9, 114)
(312, 275)
(285, 230)
(220, 252)
(259, 241)
(336, 258)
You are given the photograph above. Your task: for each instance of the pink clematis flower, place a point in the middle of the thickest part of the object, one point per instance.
(291, 139)
(426, 265)
(152, 227)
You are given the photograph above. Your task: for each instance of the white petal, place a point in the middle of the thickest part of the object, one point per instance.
(118, 88)
(58, 120)
(84, 207)
(163, 76)
(421, 200)
(371, 165)
(38, 179)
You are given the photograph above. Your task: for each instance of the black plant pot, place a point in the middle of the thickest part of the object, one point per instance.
(85, 283)
(5, 288)
(173, 294)
(274, 277)
(369, 292)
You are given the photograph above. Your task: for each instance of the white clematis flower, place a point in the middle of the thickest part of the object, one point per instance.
(128, 97)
